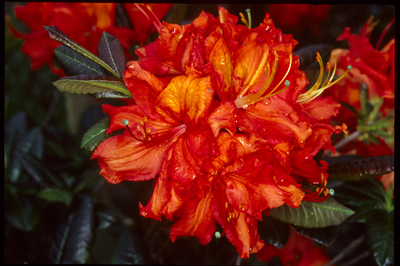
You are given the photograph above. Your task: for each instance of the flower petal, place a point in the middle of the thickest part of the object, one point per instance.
(187, 99)
(196, 220)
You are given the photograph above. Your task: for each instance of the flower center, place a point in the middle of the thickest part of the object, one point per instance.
(256, 97)
(316, 90)
(143, 133)
(314, 196)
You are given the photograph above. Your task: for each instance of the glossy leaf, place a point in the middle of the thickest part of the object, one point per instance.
(92, 84)
(97, 134)
(31, 143)
(360, 167)
(74, 63)
(59, 36)
(313, 214)
(380, 237)
(75, 235)
(14, 131)
(110, 50)
(129, 249)
(21, 213)
(324, 235)
(273, 231)
(56, 195)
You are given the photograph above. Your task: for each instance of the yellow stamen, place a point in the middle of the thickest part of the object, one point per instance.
(317, 89)
(243, 19)
(256, 97)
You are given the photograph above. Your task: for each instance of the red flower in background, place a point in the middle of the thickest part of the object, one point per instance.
(82, 22)
(300, 17)
(371, 66)
(223, 122)
(298, 251)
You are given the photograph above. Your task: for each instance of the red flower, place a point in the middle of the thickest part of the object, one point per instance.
(298, 251)
(371, 66)
(82, 22)
(300, 17)
(229, 131)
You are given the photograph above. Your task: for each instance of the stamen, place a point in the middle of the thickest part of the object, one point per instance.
(146, 10)
(249, 17)
(314, 196)
(384, 33)
(256, 97)
(243, 19)
(316, 90)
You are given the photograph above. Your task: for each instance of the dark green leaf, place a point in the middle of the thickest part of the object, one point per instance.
(110, 50)
(21, 213)
(313, 214)
(56, 195)
(14, 131)
(380, 237)
(361, 167)
(351, 108)
(129, 249)
(39, 172)
(93, 84)
(324, 236)
(273, 231)
(57, 35)
(97, 134)
(74, 237)
(74, 63)
(32, 143)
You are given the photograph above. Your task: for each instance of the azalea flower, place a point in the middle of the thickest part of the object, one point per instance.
(300, 17)
(223, 123)
(373, 67)
(298, 251)
(82, 22)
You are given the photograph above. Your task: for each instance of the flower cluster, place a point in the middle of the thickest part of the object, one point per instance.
(222, 120)
(83, 22)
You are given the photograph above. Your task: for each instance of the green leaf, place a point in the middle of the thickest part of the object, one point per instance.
(59, 36)
(273, 231)
(129, 249)
(380, 237)
(74, 63)
(97, 134)
(313, 214)
(56, 195)
(39, 173)
(110, 50)
(357, 168)
(32, 143)
(74, 237)
(324, 235)
(93, 84)
(21, 213)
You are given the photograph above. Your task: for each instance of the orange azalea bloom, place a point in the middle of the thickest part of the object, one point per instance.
(298, 251)
(221, 120)
(82, 22)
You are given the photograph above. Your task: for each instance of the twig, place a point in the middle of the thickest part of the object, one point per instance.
(343, 142)
(56, 98)
(356, 259)
(350, 248)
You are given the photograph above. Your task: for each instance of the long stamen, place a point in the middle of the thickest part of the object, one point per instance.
(384, 33)
(316, 90)
(253, 98)
(242, 18)
(146, 10)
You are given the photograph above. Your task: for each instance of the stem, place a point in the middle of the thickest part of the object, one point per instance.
(52, 107)
(356, 259)
(344, 142)
(346, 250)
